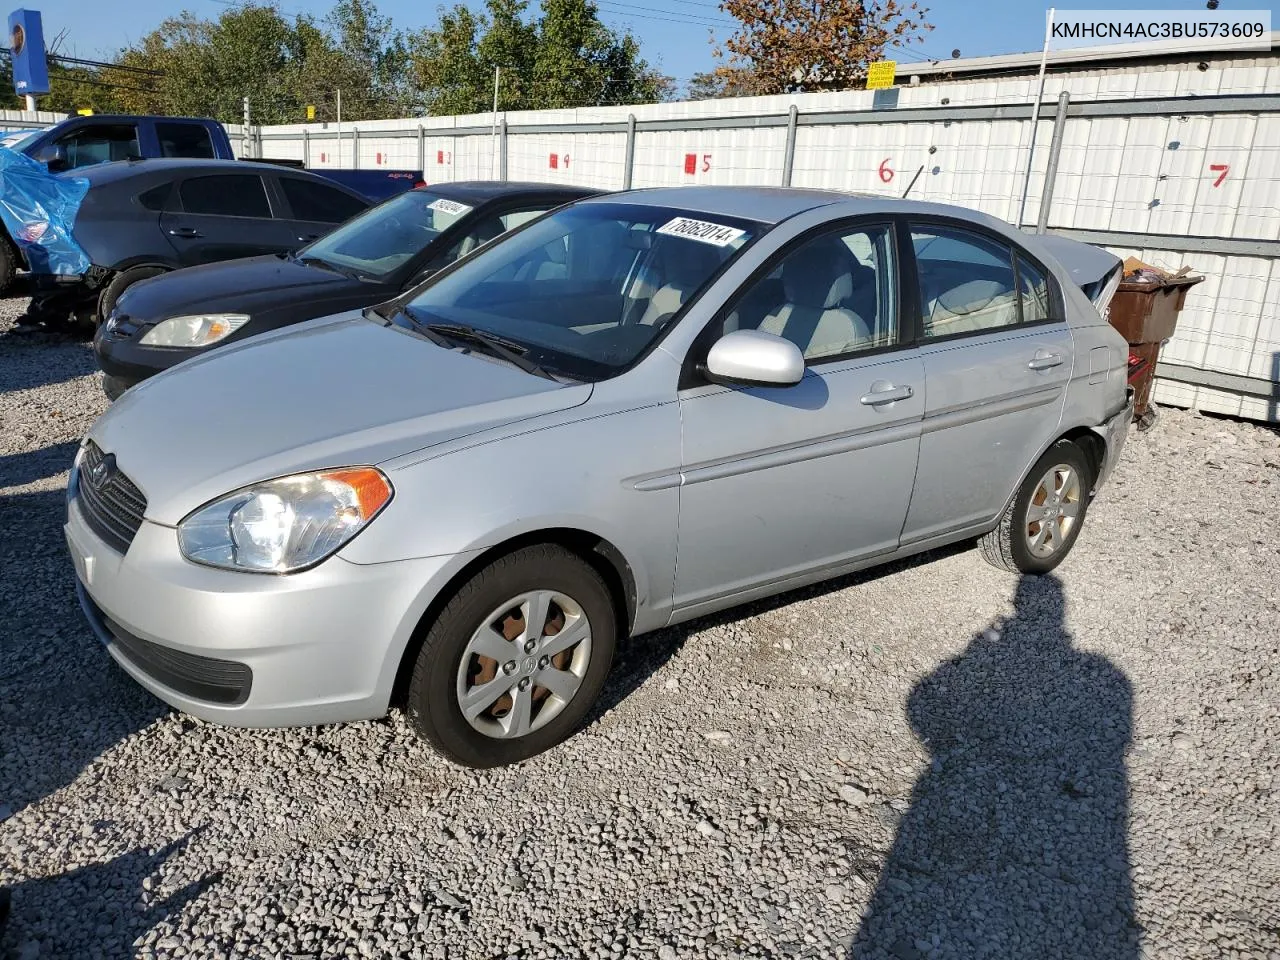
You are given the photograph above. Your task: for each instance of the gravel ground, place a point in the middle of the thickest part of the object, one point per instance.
(938, 760)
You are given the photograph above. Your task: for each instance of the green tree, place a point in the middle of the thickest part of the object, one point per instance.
(565, 58)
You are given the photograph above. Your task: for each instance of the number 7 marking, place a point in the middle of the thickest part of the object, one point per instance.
(1224, 168)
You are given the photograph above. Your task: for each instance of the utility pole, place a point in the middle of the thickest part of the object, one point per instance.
(339, 128)
(31, 103)
(493, 137)
(246, 132)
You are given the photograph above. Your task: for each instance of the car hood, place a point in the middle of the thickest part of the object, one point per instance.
(331, 392)
(253, 284)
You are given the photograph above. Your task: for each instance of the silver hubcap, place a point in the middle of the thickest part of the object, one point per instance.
(1053, 510)
(524, 664)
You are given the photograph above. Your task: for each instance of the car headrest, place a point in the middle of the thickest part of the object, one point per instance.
(970, 297)
(817, 276)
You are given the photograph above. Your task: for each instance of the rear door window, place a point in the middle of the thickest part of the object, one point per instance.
(190, 140)
(226, 195)
(318, 203)
(967, 281)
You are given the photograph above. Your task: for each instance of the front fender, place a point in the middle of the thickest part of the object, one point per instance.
(584, 474)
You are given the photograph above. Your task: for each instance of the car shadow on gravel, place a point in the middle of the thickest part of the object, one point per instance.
(19, 469)
(639, 658)
(101, 909)
(44, 357)
(63, 701)
(1015, 842)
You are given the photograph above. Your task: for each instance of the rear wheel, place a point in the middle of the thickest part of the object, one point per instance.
(515, 660)
(1042, 523)
(121, 282)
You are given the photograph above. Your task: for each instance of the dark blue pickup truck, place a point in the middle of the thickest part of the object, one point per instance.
(84, 141)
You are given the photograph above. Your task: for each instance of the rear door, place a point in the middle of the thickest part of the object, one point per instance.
(222, 216)
(997, 356)
(313, 209)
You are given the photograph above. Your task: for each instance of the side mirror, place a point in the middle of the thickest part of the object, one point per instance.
(52, 155)
(755, 359)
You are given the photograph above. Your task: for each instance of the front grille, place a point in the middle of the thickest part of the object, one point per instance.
(113, 506)
(201, 678)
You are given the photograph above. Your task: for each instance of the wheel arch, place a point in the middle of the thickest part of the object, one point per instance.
(603, 556)
(1084, 437)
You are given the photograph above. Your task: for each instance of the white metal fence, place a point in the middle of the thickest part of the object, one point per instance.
(1171, 163)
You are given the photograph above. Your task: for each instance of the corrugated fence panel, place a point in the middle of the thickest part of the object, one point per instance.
(674, 158)
(589, 160)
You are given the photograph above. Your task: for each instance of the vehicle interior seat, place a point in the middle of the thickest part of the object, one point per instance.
(488, 229)
(554, 264)
(973, 305)
(816, 282)
(675, 272)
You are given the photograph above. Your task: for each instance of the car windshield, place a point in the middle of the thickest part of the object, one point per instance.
(384, 238)
(585, 290)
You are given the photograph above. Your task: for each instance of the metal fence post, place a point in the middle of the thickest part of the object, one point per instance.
(1051, 172)
(630, 162)
(355, 148)
(422, 150)
(502, 150)
(788, 159)
(306, 148)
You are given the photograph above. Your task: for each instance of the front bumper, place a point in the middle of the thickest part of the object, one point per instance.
(253, 650)
(1115, 431)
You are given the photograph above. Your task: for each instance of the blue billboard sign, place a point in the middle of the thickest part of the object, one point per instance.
(26, 45)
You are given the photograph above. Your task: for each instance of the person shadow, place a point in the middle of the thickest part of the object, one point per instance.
(1015, 841)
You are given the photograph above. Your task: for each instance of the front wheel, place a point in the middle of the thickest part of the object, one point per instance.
(1042, 523)
(516, 658)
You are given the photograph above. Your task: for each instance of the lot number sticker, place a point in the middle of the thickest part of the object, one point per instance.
(448, 206)
(716, 234)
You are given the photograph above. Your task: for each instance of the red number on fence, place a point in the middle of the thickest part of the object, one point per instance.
(886, 174)
(706, 162)
(1222, 169)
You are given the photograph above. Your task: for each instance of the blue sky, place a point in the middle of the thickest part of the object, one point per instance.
(674, 34)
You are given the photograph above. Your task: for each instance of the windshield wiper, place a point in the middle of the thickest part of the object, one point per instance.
(499, 347)
(326, 265)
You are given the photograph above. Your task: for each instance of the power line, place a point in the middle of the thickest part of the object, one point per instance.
(714, 18)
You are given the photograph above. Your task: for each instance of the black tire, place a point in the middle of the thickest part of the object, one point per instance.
(9, 260)
(1007, 546)
(433, 698)
(121, 282)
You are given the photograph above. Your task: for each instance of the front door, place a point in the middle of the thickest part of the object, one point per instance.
(997, 355)
(783, 481)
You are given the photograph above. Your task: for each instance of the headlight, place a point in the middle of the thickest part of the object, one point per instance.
(285, 525)
(198, 330)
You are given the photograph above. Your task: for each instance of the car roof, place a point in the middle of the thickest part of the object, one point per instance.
(476, 192)
(761, 204)
(125, 169)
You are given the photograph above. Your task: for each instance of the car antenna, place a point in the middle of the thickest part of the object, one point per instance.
(913, 182)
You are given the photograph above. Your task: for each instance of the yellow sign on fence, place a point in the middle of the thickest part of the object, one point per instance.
(85, 112)
(311, 111)
(880, 75)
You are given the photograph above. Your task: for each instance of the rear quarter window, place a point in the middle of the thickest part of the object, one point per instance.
(156, 198)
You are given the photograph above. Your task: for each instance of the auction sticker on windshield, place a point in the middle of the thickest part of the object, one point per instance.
(716, 234)
(448, 206)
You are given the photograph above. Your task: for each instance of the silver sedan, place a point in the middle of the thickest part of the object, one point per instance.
(632, 411)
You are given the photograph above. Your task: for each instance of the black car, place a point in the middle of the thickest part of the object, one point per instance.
(375, 257)
(142, 218)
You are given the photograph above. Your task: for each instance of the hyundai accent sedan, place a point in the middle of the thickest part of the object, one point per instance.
(633, 411)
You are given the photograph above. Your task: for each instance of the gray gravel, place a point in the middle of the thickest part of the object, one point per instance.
(935, 761)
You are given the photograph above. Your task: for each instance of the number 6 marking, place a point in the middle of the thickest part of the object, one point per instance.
(886, 175)
(1225, 168)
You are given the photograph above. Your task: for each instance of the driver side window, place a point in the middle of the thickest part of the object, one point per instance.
(833, 295)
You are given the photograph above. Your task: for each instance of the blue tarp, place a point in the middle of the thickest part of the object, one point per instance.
(39, 210)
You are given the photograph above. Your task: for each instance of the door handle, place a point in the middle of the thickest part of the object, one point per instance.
(882, 392)
(1044, 360)
(187, 233)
